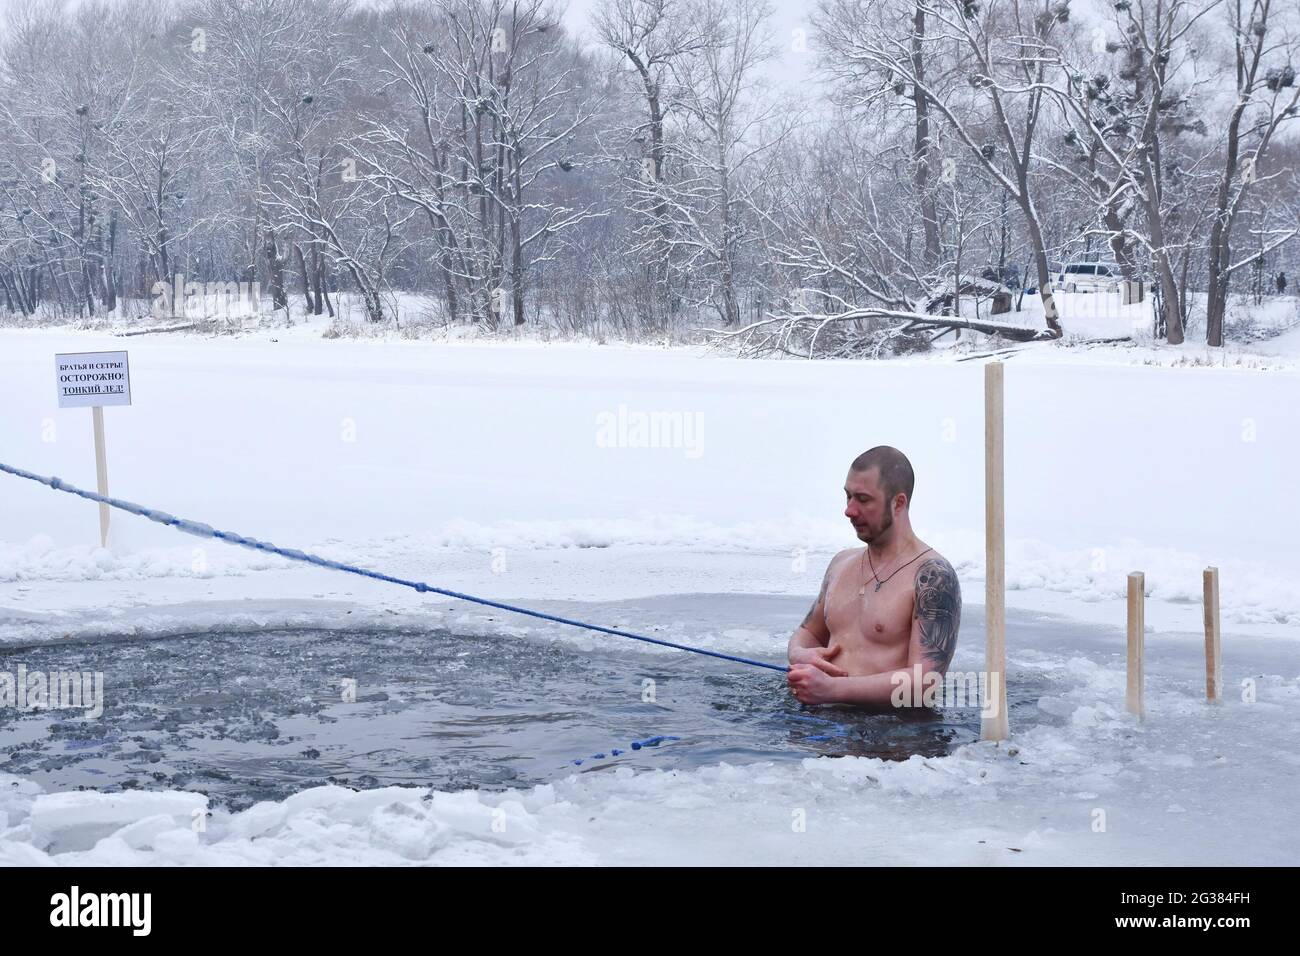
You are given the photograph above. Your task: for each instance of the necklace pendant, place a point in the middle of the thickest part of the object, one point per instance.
(878, 583)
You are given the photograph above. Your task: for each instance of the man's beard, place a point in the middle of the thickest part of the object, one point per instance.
(889, 523)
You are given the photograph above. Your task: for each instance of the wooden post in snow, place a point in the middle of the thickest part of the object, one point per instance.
(1134, 700)
(101, 472)
(993, 725)
(1213, 662)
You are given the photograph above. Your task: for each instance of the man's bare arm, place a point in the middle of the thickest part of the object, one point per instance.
(813, 632)
(936, 615)
(810, 642)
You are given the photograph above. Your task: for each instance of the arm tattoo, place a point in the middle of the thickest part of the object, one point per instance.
(938, 608)
(821, 597)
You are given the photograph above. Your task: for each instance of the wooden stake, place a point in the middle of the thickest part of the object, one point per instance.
(994, 726)
(101, 473)
(1135, 700)
(1213, 671)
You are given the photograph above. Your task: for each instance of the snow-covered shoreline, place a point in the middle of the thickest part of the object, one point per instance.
(432, 499)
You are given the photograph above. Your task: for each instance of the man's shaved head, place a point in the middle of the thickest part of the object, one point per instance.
(895, 471)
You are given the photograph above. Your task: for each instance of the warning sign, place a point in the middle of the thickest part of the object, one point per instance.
(93, 378)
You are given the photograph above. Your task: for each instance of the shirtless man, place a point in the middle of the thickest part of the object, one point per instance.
(883, 609)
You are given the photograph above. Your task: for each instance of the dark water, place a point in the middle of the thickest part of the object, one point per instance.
(245, 718)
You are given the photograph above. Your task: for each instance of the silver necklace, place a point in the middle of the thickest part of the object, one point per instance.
(866, 554)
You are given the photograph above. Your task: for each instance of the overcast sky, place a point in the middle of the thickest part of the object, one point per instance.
(790, 15)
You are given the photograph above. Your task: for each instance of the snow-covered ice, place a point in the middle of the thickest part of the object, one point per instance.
(479, 467)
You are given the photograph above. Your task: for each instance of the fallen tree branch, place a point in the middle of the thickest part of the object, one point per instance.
(860, 332)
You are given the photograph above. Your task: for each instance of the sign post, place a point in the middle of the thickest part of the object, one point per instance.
(95, 379)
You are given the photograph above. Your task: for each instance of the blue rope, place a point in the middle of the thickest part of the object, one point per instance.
(636, 745)
(206, 531)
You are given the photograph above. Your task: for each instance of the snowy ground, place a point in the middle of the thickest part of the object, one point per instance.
(512, 471)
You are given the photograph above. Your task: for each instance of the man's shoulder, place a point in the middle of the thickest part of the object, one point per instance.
(838, 562)
(935, 571)
(842, 557)
(933, 558)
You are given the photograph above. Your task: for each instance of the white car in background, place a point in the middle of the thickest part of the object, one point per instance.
(1089, 277)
